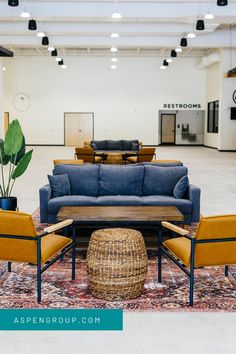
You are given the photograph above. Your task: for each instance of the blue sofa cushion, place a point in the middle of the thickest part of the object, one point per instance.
(100, 144)
(119, 200)
(135, 147)
(71, 200)
(114, 144)
(93, 145)
(83, 178)
(181, 187)
(127, 144)
(184, 205)
(162, 180)
(114, 180)
(60, 185)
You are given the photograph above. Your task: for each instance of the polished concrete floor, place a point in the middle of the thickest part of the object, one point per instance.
(164, 333)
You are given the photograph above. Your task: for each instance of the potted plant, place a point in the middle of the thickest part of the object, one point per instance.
(13, 163)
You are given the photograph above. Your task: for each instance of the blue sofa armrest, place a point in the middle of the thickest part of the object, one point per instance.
(194, 194)
(44, 196)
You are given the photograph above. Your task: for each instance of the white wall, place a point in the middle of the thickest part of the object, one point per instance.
(125, 101)
(1, 99)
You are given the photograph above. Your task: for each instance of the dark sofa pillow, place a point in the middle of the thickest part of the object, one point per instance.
(181, 187)
(93, 145)
(127, 144)
(135, 146)
(114, 144)
(100, 144)
(60, 185)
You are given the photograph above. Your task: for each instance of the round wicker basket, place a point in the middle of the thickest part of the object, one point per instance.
(116, 264)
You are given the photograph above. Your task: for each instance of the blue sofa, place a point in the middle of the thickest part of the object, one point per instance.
(114, 145)
(121, 185)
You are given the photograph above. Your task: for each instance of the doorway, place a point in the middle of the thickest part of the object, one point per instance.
(168, 123)
(6, 122)
(79, 127)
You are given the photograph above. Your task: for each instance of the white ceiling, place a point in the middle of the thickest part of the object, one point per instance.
(147, 27)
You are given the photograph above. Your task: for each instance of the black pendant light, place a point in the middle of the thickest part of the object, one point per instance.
(61, 62)
(165, 63)
(200, 26)
(45, 40)
(13, 3)
(32, 26)
(183, 42)
(54, 53)
(173, 53)
(222, 2)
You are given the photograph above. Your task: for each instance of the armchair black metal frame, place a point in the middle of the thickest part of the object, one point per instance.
(38, 238)
(190, 272)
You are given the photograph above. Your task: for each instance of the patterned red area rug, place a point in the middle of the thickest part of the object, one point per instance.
(213, 291)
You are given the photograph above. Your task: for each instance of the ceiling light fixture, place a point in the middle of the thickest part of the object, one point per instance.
(162, 67)
(4, 69)
(58, 59)
(114, 49)
(222, 2)
(45, 40)
(13, 3)
(114, 60)
(32, 25)
(116, 15)
(40, 34)
(54, 53)
(115, 35)
(191, 35)
(113, 67)
(200, 26)
(61, 62)
(178, 50)
(169, 60)
(25, 14)
(173, 53)
(165, 63)
(51, 49)
(183, 42)
(209, 16)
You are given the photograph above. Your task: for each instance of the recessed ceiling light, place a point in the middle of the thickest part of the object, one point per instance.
(25, 14)
(116, 15)
(113, 67)
(64, 66)
(4, 69)
(51, 49)
(114, 49)
(209, 16)
(191, 35)
(178, 50)
(169, 60)
(115, 35)
(58, 59)
(114, 60)
(40, 34)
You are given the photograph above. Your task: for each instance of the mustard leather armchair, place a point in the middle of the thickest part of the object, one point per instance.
(88, 155)
(19, 242)
(143, 155)
(213, 244)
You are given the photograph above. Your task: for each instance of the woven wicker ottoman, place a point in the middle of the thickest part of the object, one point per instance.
(116, 264)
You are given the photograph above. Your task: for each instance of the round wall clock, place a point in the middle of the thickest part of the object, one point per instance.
(21, 102)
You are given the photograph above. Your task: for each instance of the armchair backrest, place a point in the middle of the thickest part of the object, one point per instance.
(216, 253)
(17, 224)
(146, 154)
(85, 154)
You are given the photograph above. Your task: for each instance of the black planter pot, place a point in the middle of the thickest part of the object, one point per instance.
(9, 203)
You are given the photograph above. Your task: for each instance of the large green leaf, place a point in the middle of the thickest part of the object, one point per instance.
(22, 165)
(4, 159)
(16, 158)
(13, 139)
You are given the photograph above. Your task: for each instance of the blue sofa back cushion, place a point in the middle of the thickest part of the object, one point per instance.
(83, 179)
(114, 144)
(114, 180)
(60, 185)
(181, 187)
(100, 144)
(127, 144)
(162, 180)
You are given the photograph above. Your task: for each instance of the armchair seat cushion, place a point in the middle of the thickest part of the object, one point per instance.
(132, 159)
(180, 247)
(51, 245)
(114, 200)
(70, 200)
(184, 205)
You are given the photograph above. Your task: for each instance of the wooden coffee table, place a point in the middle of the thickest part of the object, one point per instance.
(120, 216)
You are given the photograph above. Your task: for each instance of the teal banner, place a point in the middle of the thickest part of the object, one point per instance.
(61, 320)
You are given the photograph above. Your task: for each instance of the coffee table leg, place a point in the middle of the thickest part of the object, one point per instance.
(159, 254)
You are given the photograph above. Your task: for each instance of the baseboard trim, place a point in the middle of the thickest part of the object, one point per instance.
(45, 145)
(227, 150)
(210, 147)
(145, 145)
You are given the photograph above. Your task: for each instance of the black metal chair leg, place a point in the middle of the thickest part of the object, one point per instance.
(159, 255)
(9, 266)
(73, 252)
(39, 285)
(191, 274)
(226, 271)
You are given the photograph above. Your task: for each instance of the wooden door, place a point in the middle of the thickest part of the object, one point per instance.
(78, 128)
(6, 122)
(168, 128)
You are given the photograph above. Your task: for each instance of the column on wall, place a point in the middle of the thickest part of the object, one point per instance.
(1, 99)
